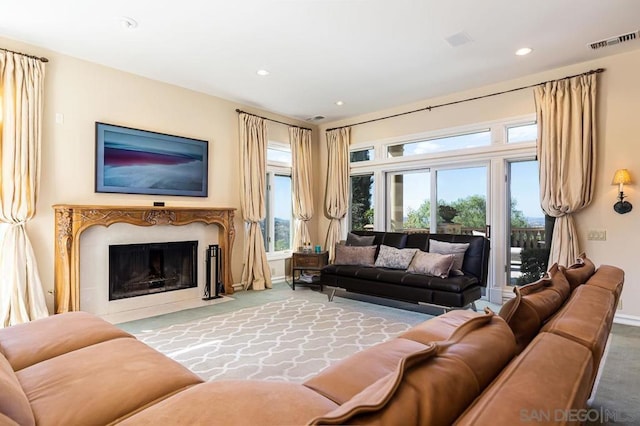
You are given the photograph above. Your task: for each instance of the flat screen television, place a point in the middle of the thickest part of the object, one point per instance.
(133, 161)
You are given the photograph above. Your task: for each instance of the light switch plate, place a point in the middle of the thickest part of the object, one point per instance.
(597, 235)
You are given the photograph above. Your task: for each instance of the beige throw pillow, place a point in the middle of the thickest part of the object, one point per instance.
(355, 255)
(456, 249)
(434, 264)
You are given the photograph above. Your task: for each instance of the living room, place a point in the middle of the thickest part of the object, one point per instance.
(81, 92)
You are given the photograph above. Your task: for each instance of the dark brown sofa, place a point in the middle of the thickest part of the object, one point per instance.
(451, 292)
(462, 367)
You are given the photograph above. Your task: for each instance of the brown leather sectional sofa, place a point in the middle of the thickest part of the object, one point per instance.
(538, 358)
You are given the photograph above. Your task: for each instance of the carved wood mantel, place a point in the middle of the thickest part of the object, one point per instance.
(72, 220)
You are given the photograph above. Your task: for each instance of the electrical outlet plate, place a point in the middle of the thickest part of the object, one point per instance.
(597, 235)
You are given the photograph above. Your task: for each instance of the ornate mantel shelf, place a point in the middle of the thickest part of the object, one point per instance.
(72, 220)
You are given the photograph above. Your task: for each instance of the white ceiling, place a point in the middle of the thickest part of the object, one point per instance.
(371, 54)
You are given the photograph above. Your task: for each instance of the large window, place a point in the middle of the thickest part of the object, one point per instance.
(408, 200)
(277, 227)
(475, 179)
(447, 143)
(463, 191)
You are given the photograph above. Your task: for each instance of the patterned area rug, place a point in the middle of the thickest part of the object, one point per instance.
(290, 340)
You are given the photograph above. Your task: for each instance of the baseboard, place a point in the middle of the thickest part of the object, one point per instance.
(627, 320)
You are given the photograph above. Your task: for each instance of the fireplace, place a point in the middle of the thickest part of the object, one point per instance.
(141, 269)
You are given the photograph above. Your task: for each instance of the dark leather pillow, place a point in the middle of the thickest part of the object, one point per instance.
(359, 240)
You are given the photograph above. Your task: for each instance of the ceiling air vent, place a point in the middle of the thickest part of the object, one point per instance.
(615, 40)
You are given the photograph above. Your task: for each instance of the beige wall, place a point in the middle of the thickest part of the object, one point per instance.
(618, 132)
(84, 93)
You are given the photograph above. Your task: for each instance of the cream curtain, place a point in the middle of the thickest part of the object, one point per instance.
(300, 140)
(566, 114)
(253, 157)
(21, 102)
(337, 194)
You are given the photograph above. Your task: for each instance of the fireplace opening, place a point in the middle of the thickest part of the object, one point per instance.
(140, 269)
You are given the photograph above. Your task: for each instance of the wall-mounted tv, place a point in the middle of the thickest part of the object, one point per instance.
(132, 161)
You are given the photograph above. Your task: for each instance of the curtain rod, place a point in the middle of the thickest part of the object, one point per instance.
(239, 111)
(40, 58)
(429, 108)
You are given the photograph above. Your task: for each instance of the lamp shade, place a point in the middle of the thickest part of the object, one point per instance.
(621, 176)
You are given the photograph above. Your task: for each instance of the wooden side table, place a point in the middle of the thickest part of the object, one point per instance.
(305, 268)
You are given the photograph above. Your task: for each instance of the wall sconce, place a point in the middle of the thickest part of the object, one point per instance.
(621, 177)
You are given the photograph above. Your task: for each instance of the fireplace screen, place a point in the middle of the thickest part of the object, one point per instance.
(139, 269)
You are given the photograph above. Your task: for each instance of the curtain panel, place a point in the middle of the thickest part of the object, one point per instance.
(253, 164)
(301, 172)
(337, 193)
(566, 117)
(21, 103)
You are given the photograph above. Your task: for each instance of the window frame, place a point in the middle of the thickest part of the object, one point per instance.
(273, 169)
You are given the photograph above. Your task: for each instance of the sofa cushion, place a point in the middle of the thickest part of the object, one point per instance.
(434, 264)
(550, 378)
(29, 343)
(579, 272)
(586, 318)
(394, 239)
(236, 402)
(342, 381)
(456, 249)
(394, 258)
(355, 255)
(609, 278)
(101, 383)
(359, 240)
(443, 371)
(13, 401)
(533, 304)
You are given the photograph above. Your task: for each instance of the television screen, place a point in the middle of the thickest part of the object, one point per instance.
(132, 161)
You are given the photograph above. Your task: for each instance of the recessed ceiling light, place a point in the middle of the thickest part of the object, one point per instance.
(339, 103)
(524, 51)
(262, 72)
(128, 23)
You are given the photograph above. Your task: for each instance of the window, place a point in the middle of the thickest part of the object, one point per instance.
(464, 190)
(522, 133)
(361, 155)
(277, 227)
(448, 143)
(361, 205)
(408, 200)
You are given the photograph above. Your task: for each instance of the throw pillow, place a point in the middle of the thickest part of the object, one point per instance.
(456, 249)
(391, 257)
(434, 264)
(355, 255)
(579, 272)
(533, 305)
(359, 240)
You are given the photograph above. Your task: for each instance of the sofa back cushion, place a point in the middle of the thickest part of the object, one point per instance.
(13, 401)
(355, 255)
(579, 272)
(434, 385)
(533, 304)
(359, 240)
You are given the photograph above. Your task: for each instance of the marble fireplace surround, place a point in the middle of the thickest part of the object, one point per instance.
(72, 220)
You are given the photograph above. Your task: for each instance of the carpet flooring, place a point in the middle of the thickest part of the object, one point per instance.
(280, 334)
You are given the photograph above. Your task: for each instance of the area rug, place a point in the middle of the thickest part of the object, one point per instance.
(290, 339)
